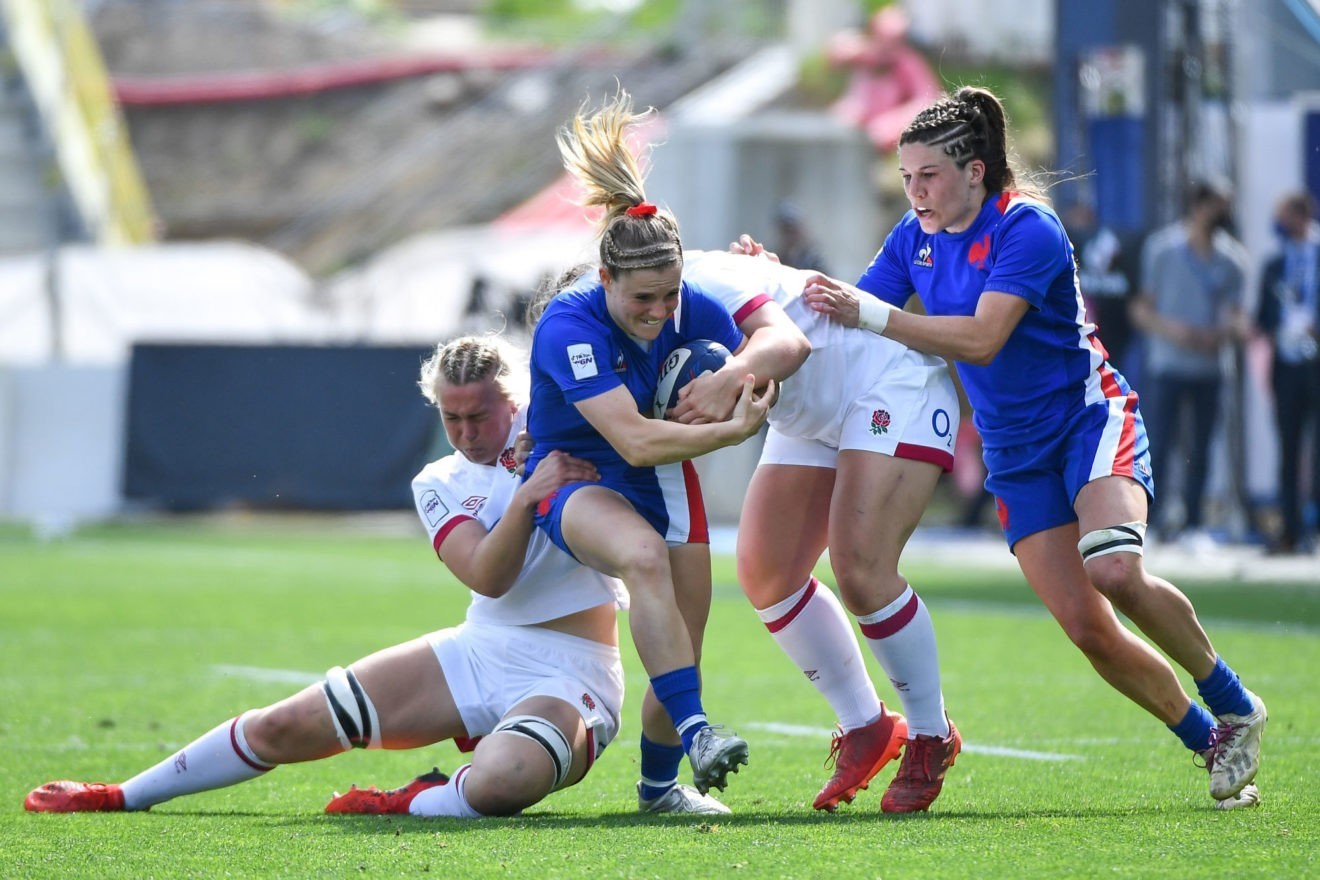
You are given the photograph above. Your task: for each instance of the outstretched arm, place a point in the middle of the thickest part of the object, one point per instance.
(972, 339)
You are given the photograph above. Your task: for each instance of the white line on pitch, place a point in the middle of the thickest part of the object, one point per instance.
(258, 673)
(1001, 751)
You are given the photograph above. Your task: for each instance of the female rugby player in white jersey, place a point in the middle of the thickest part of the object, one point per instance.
(857, 440)
(539, 624)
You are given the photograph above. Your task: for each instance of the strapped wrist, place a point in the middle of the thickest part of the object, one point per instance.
(872, 314)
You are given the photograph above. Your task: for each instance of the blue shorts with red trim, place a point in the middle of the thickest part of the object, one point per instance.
(667, 496)
(1036, 484)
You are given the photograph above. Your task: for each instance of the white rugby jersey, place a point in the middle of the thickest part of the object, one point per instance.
(844, 361)
(552, 584)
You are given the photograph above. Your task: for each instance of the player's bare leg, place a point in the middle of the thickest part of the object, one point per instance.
(633, 551)
(659, 791)
(406, 689)
(1165, 615)
(782, 533)
(878, 502)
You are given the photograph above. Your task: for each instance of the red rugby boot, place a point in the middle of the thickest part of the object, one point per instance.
(858, 755)
(921, 772)
(374, 801)
(74, 797)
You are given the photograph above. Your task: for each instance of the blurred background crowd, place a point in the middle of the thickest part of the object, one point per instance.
(229, 229)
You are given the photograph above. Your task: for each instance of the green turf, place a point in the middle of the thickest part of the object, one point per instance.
(122, 644)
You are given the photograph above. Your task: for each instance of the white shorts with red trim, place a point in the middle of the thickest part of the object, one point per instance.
(491, 668)
(908, 411)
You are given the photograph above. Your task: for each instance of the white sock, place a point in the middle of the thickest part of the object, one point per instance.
(902, 638)
(812, 628)
(213, 760)
(445, 800)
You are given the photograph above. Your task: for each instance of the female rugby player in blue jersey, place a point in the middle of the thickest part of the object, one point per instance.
(597, 350)
(1064, 443)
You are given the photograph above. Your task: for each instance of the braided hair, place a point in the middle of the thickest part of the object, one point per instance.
(474, 359)
(970, 124)
(634, 233)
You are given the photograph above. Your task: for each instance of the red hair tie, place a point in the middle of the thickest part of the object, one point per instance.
(645, 209)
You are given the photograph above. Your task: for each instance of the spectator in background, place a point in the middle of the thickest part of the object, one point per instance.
(1289, 314)
(890, 81)
(1105, 275)
(1189, 307)
(795, 245)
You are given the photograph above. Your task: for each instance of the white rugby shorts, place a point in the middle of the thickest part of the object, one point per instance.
(910, 410)
(491, 668)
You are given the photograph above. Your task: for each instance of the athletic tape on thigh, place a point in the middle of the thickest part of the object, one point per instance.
(551, 738)
(1126, 538)
(351, 710)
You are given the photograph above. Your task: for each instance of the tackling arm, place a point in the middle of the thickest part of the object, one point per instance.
(488, 563)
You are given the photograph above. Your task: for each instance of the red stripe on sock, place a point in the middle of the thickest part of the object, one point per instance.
(776, 625)
(238, 750)
(892, 624)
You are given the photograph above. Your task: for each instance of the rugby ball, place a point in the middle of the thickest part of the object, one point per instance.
(685, 363)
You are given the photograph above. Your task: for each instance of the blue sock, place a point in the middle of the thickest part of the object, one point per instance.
(659, 768)
(1223, 692)
(679, 692)
(1194, 729)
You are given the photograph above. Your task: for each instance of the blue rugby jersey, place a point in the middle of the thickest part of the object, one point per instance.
(1052, 364)
(579, 352)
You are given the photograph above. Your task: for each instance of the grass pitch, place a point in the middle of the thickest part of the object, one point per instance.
(121, 644)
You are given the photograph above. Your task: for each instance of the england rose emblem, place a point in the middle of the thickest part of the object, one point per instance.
(880, 422)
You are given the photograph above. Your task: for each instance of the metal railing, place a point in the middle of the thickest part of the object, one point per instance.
(61, 63)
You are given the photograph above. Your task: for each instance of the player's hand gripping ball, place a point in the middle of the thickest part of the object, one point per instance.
(685, 363)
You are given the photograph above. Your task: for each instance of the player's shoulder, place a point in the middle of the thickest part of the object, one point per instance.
(724, 276)
(441, 472)
(1026, 218)
(1023, 208)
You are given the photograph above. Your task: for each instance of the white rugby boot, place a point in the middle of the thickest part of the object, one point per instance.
(681, 799)
(713, 755)
(1234, 754)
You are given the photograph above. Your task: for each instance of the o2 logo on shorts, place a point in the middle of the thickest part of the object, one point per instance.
(942, 425)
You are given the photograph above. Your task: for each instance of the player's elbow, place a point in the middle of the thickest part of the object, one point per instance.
(979, 349)
(641, 456)
(980, 355)
(796, 352)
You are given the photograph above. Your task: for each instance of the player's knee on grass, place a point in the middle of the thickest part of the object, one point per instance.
(520, 762)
